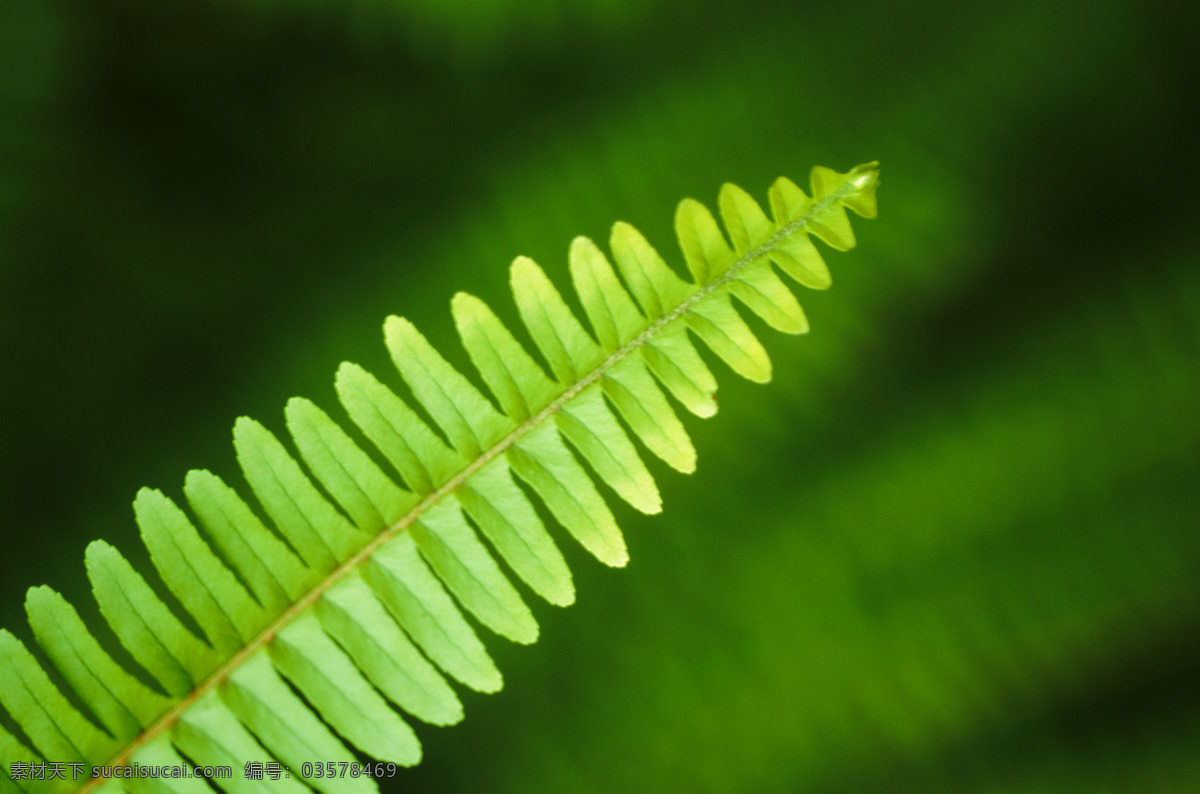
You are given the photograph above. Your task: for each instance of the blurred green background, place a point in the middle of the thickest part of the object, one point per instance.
(954, 546)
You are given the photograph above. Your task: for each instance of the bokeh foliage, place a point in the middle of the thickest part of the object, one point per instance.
(955, 545)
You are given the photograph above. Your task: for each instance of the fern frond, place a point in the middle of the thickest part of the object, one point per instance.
(356, 602)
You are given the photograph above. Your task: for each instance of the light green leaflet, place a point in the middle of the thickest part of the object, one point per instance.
(356, 601)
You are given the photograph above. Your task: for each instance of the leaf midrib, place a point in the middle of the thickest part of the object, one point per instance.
(169, 718)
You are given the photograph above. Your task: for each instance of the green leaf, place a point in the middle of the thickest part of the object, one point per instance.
(318, 532)
(211, 736)
(349, 608)
(160, 753)
(593, 430)
(12, 751)
(570, 352)
(707, 254)
(519, 384)
(542, 460)
(716, 322)
(274, 574)
(423, 459)
(144, 624)
(330, 681)
(799, 258)
(469, 420)
(418, 601)
(657, 288)
(608, 306)
(54, 726)
(674, 361)
(523, 389)
(635, 394)
(355, 482)
(351, 614)
(789, 203)
(286, 727)
(764, 294)
(509, 521)
(747, 224)
(856, 188)
(206, 588)
(122, 703)
(453, 550)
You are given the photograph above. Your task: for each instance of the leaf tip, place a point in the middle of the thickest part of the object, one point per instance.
(523, 269)
(95, 550)
(196, 478)
(38, 596)
(462, 301)
(563, 596)
(617, 557)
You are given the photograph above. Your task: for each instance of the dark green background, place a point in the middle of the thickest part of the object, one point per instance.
(954, 546)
